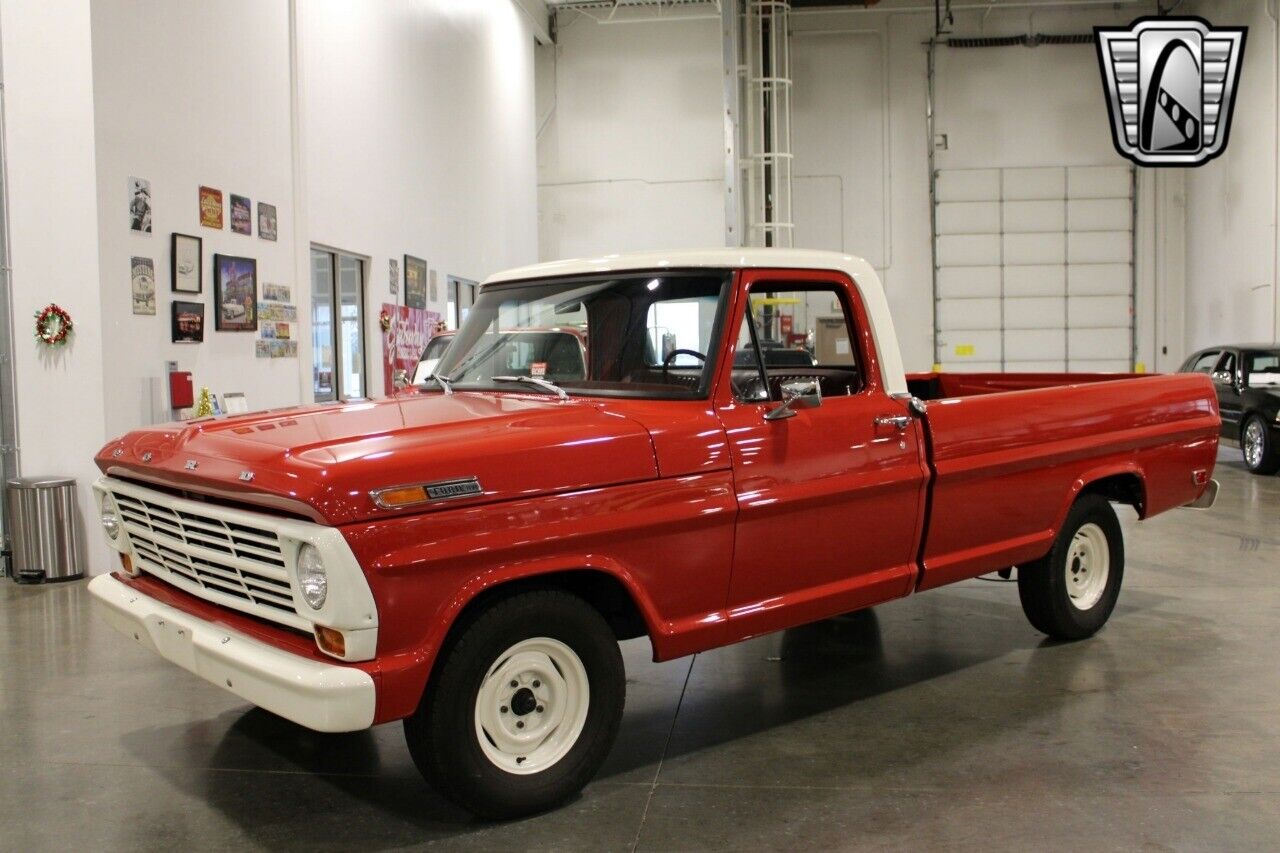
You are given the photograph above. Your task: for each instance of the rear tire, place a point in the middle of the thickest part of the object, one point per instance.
(523, 706)
(1070, 592)
(1261, 456)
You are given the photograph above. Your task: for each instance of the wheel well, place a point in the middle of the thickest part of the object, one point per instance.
(600, 589)
(1120, 488)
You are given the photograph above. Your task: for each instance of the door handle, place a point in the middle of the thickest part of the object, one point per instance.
(899, 421)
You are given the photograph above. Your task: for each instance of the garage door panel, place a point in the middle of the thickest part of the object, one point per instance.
(1030, 345)
(1035, 366)
(968, 314)
(1036, 312)
(1098, 311)
(1040, 183)
(969, 217)
(1099, 182)
(1033, 248)
(1025, 216)
(1099, 247)
(1099, 279)
(1099, 214)
(960, 282)
(971, 345)
(1034, 280)
(968, 185)
(1035, 268)
(1098, 343)
(967, 365)
(969, 250)
(1110, 365)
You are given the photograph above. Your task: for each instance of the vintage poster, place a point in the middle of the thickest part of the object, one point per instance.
(266, 220)
(210, 207)
(275, 292)
(277, 311)
(144, 285)
(241, 214)
(235, 294)
(140, 206)
(403, 343)
(415, 282)
(188, 322)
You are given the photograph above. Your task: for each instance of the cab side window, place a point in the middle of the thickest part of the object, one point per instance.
(791, 333)
(1205, 362)
(1227, 364)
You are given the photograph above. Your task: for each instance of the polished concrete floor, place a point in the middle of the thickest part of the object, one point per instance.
(938, 722)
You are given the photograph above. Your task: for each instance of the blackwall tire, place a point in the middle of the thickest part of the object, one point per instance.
(551, 668)
(1070, 593)
(1259, 451)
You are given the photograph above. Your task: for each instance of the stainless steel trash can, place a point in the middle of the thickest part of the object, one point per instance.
(45, 529)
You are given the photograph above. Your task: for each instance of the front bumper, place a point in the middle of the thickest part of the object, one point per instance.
(324, 697)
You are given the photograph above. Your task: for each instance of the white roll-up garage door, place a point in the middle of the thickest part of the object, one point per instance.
(1035, 268)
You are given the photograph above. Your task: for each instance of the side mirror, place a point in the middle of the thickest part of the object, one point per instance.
(400, 379)
(1223, 377)
(796, 395)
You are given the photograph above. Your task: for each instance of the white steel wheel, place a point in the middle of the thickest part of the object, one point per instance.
(532, 706)
(1253, 443)
(1087, 566)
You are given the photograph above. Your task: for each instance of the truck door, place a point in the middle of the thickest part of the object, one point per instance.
(830, 497)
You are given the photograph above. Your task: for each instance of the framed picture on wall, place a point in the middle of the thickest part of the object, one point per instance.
(266, 221)
(235, 294)
(210, 207)
(186, 269)
(241, 214)
(415, 282)
(188, 322)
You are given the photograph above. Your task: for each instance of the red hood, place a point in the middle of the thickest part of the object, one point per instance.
(324, 460)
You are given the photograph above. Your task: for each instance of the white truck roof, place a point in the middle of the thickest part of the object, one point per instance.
(864, 277)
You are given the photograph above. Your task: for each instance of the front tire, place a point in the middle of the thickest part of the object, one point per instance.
(1069, 593)
(523, 706)
(1261, 456)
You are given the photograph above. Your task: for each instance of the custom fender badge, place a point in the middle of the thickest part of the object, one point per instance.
(117, 453)
(146, 457)
(246, 476)
(191, 465)
(400, 496)
(1170, 85)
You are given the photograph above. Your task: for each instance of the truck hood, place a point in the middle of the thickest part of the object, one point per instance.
(323, 461)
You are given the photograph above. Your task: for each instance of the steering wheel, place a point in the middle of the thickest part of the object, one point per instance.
(666, 362)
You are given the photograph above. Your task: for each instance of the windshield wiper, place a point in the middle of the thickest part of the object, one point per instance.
(544, 384)
(444, 382)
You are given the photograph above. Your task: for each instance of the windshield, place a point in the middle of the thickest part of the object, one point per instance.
(639, 335)
(1262, 368)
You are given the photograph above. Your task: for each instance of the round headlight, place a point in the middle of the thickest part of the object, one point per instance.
(111, 522)
(312, 579)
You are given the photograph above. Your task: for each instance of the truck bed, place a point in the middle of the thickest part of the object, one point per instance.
(936, 386)
(1009, 453)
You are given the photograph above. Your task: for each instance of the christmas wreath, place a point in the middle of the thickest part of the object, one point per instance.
(53, 325)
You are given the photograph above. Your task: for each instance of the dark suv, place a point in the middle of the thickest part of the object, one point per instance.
(1247, 378)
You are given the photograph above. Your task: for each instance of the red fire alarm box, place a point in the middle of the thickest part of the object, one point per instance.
(181, 395)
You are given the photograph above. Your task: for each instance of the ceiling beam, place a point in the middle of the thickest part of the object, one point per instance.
(539, 16)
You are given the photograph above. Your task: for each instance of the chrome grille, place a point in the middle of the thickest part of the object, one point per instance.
(234, 563)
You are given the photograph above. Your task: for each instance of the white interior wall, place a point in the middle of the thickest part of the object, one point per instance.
(53, 234)
(174, 111)
(417, 132)
(857, 141)
(630, 150)
(1231, 248)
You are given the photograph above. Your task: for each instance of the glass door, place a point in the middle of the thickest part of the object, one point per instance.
(337, 323)
(462, 295)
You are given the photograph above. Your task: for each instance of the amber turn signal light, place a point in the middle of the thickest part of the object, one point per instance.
(331, 641)
(403, 496)
(126, 563)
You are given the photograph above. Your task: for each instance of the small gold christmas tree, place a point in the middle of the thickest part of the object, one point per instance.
(204, 404)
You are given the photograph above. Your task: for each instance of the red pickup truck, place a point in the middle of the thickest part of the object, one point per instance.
(465, 555)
